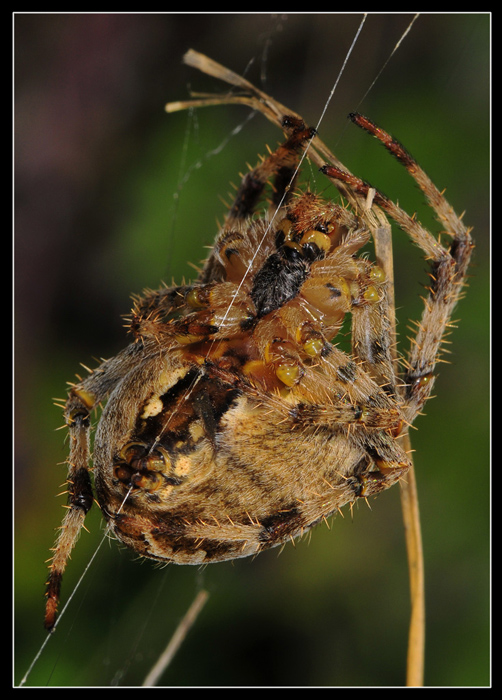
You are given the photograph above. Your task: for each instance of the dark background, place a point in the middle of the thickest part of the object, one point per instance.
(108, 201)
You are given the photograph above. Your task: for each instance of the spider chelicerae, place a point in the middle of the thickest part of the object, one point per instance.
(233, 421)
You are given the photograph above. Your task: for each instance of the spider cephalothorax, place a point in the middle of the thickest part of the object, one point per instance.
(233, 421)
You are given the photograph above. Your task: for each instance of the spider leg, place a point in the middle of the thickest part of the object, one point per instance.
(189, 314)
(80, 498)
(280, 164)
(158, 303)
(448, 267)
(342, 400)
(83, 397)
(373, 334)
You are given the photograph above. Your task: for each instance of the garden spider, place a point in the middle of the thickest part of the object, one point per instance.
(233, 421)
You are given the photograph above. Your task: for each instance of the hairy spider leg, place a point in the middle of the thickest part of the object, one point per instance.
(448, 265)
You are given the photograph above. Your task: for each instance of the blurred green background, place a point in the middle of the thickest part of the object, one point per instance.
(111, 196)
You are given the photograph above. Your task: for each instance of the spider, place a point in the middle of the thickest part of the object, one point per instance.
(233, 421)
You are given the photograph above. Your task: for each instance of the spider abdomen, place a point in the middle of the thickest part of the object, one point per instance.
(187, 483)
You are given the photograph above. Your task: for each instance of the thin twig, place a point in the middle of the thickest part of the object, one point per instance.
(176, 640)
(409, 494)
(413, 534)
